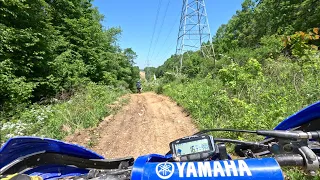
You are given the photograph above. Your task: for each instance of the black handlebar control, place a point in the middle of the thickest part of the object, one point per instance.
(289, 160)
(290, 134)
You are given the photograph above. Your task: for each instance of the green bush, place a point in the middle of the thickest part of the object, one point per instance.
(15, 92)
(47, 47)
(85, 109)
(248, 96)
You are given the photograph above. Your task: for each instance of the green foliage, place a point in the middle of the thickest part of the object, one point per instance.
(85, 109)
(51, 46)
(296, 173)
(270, 47)
(299, 45)
(150, 72)
(258, 19)
(247, 97)
(170, 65)
(259, 77)
(255, 82)
(235, 76)
(70, 70)
(15, 92)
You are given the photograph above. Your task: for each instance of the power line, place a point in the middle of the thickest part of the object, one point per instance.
(163, 19)
(154, 28)
(171, 30)
(168, 50)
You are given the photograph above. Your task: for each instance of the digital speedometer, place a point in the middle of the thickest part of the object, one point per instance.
(193, 147)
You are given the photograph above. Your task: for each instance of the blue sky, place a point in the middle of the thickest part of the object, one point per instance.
(137, 19)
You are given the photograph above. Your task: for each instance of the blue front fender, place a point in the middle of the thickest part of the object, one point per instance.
(301, 117)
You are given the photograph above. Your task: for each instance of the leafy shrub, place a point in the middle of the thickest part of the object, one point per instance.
(271, 47)
(15, 92)
(85, 109)
(48, 47)
(249, 96)
(239, 77)
(301, 49)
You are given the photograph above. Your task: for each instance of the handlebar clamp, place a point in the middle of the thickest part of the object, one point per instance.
(311, 160)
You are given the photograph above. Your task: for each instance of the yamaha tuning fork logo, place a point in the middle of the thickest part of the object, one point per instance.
(165, 170)
(204, 169)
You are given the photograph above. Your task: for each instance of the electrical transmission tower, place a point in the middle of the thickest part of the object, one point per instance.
(194, 31)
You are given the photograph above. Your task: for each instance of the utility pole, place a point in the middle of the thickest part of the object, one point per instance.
(194, 31)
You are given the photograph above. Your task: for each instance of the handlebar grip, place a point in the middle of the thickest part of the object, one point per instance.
(290, 160)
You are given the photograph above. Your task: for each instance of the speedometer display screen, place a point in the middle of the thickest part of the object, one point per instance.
(192, 147)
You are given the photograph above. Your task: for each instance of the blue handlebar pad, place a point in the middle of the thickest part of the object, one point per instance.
(148, 167)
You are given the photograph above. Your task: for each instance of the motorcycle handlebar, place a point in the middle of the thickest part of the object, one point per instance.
(290, 160)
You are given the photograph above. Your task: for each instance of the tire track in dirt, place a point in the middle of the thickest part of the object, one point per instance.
(147, 124)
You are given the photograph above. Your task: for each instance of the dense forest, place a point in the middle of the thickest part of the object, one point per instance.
(59, 67)
(48, 47)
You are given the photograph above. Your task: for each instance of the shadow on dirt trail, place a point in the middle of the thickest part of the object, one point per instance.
(147, 124)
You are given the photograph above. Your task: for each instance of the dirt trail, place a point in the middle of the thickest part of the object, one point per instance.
(145, 125)
(143, 75)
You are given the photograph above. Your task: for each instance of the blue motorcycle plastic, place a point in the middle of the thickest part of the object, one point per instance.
(294, 142)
